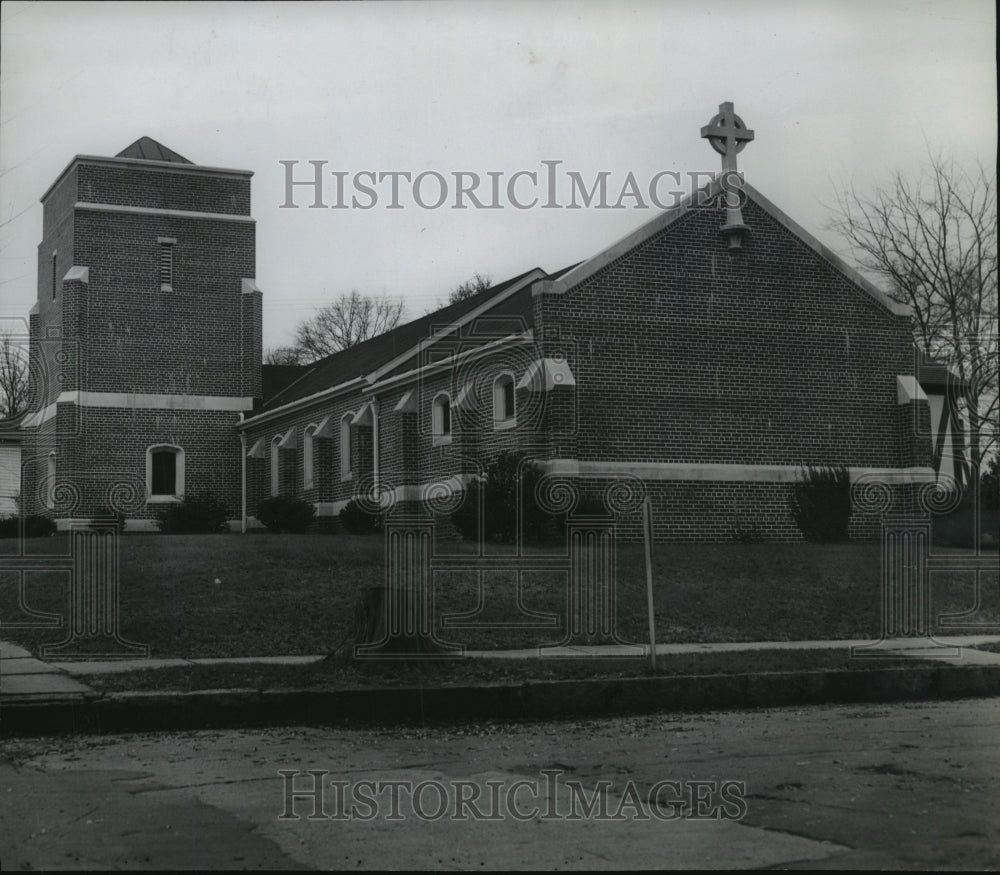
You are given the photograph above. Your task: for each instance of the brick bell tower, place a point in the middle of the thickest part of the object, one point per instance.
(145, 339)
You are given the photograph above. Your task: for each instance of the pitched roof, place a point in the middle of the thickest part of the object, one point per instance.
(147, 149)
(371, 355)
(274, 378)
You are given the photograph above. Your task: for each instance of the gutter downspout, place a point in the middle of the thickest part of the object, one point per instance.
(243, 479)
(375, 446)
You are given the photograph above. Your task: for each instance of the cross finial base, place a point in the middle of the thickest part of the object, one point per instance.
(727, 134)
(735, 233)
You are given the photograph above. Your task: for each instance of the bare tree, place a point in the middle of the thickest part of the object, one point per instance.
(346, 322)
(283, 355)
(13, 378)
(933, 240)
(477, 284)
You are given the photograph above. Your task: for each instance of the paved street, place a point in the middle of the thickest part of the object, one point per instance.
(911, 786)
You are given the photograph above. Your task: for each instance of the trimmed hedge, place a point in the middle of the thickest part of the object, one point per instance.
(955, 529)
(198, 514)
(499, 492)
(34, 526)
(282, 514)
(359, 520)
(821, 504)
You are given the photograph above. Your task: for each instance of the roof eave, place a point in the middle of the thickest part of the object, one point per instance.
(299, 403)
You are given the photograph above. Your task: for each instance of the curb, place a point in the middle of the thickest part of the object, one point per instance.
(223, 709)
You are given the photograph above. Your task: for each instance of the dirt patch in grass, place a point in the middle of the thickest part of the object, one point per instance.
(343, 674)
(261, 595)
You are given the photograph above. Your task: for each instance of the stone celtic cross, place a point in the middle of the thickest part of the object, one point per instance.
(727, 134)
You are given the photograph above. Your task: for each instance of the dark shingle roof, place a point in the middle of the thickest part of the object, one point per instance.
(274, 378)
(372, 354)
(10, 429)
(147, 149)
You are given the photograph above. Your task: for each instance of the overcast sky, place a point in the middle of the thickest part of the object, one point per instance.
(837, 92)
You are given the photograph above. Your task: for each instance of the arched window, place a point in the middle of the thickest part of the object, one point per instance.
(276, 464)
(50, 481)
(441, 419)
(345, 446)
(164, 472)
(308, 463)
(504, 413)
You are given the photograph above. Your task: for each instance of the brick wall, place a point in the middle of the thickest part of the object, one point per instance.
(408, 455)
(57, 238)
(327, 483)
(685, 352)
(177, 188)
(184, 341)
(120, 333)
(112, 451)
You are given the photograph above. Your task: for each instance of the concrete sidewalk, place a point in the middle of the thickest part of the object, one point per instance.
(24, 677)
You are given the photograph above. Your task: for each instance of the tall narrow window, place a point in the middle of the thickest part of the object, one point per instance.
(166, 263)
(503, 401)
(441, 419)
(164, 473)
(345, 446)
(55, 277)
(308, 461)
(50, 482)
(275, 465)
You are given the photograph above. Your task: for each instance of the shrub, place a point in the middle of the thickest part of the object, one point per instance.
(466, 517)
(821, 504)
(359, 520)
(956, 528)
(39, 526)
(989, 486)
(34, 526)
(282, 514)
(746, 532)
(198, 514)
(499, 491)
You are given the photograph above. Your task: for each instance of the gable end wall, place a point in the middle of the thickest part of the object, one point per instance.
(685, 352)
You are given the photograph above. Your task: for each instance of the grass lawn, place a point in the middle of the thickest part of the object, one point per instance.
(263, 594)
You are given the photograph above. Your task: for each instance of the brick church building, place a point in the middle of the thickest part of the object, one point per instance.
(708, 356)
